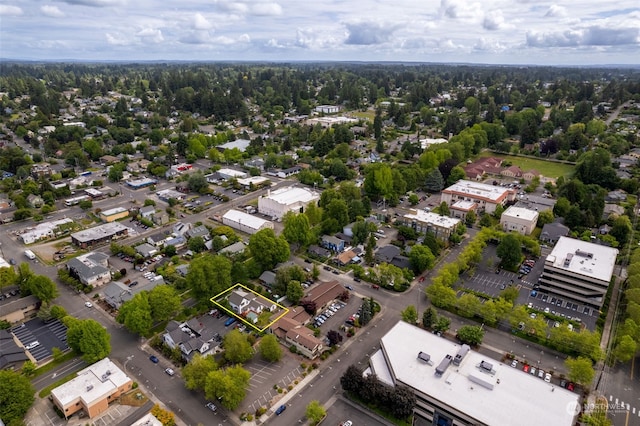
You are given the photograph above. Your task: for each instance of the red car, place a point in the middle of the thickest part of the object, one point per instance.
(525, 368)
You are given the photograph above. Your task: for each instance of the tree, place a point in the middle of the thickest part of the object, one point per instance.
(315, 412)
(164, 302)
(470, 218)
(297, 228)
(267, 249)
(89, 338)
(208, 275)
(236, 347)
(413, 199)
(196, 371)
(428, 317)
(228, 386)
(294, 291)
(196, 244)
(470, 334)
(16, 397)
(442, 324)
(441, 295)
(334, 337)
(42, 287)
(421, 258)
(580, 370)
(410, 315)
(625, 349)
(197, 182)
(468, 305)
(167, 418)
(457, 173)
(434, 181)
(135, 314)
(270, 349)
(509, 251)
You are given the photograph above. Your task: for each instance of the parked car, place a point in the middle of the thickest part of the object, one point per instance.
(348, 287)
(281, 409)
(541, 374)
(547, 378)
(211, 407)
(32, 345)
(88, 304)
(169, 371)
(154, 359)
(514, 363)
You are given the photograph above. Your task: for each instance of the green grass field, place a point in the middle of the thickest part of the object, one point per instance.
(548, 169)
(367, 115)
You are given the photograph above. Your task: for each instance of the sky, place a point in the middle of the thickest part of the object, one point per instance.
(536, 32)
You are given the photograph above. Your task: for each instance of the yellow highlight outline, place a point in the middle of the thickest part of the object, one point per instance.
(239, 318)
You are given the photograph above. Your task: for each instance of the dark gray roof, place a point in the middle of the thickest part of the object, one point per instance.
(268, 277)
(198, 231)
(86, 270)
(10, 352)
(553, 231)
(387, 253)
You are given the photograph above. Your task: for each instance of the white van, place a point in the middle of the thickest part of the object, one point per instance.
(31, 255)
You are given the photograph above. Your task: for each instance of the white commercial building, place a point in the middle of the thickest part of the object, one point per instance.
(42, 231)
(579, 271)
(231, 174)
(487, 197)
(458, 386)
(277, 203)
(245, 222)
(440, 226)
(519, 219)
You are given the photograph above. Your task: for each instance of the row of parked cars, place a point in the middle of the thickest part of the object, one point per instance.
(328, 313)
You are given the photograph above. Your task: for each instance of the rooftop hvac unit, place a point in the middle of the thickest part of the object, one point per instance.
(461, 354)
(424, 356)
(444, 364)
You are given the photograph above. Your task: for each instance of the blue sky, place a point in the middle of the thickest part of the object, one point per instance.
(569, 32)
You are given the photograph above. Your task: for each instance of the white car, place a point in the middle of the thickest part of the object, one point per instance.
(547, 377)
(170, 371)
(88, 304)
(32, 345)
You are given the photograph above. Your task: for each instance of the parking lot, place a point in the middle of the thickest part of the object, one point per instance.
(40, 337)
(264, 375)
(491, 280)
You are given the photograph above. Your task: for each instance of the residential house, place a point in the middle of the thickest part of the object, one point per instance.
(293, 333)
(146, 250)
(551, 232)
(332, 243)
(267, 278)
(17, 309)
(35, 201)
(318, 251)
(233, 249)
(324, 293)
(243, 302)
(199, 231)
(196, 336)
(157, 239)
(346, 258)
(147, 212)
(91, 269)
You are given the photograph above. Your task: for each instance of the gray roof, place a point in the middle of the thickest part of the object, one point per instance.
(10, 352)
(553, 231)
(238, 247)
(198, 231)
(146, 249)
(86, 270)
(387, 253)
(268, 277)
(157, 237)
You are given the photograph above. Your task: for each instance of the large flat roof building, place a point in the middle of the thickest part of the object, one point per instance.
(471, 390)
(579, 271)
(92, 390)
(421, 221)
(487, 197)
(277, 203)
(245, 222)
(99, 234)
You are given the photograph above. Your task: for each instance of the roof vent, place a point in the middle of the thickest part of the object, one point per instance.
(444, 364)
(425, 357)
(461, 354)
(584, 254)
(486, 367)
(567, 260)
(89, 387)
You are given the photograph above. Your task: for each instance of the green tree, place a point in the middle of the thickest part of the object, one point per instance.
(421, 258)
(196, 244)
(442, 324)
(270, 349)
(16, 397)
(164, 302)
(88, 338)
(580, 370)
(625, 349)
(410, 315)
(197, 182)
(295, 292)
(297, 228)
(434, 181)
(228, 386)
(468, 305)
(509, 251)
(42, 287)
(457, 173)
(315, 412)
(413, 199)
(135, 314)
(208, 275)
(196, 371)
(428, 317)
(471, 334)
(236, 347)
(267, 249)
(441, 295)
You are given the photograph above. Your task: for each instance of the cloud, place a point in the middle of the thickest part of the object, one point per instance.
(256, 7)
(266, 9)
(591, 36)
(150, 35)
(117, 39)
(460, 9)
(556, 11)
(52, 11)
(200, 22)
(6, 10)
(493, 21)
(95, 3)
(275, 44)
(485, 45)
(196, 37)
(369, 33)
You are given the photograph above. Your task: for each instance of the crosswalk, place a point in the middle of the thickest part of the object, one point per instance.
(625, 406)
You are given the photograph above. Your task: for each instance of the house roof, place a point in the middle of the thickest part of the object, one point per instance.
(325, 292)
(387, 253)
(86, 269)
(10, 352)
(268, 277)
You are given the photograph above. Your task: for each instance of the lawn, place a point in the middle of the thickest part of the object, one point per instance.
(367, 115)
(546, 168)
